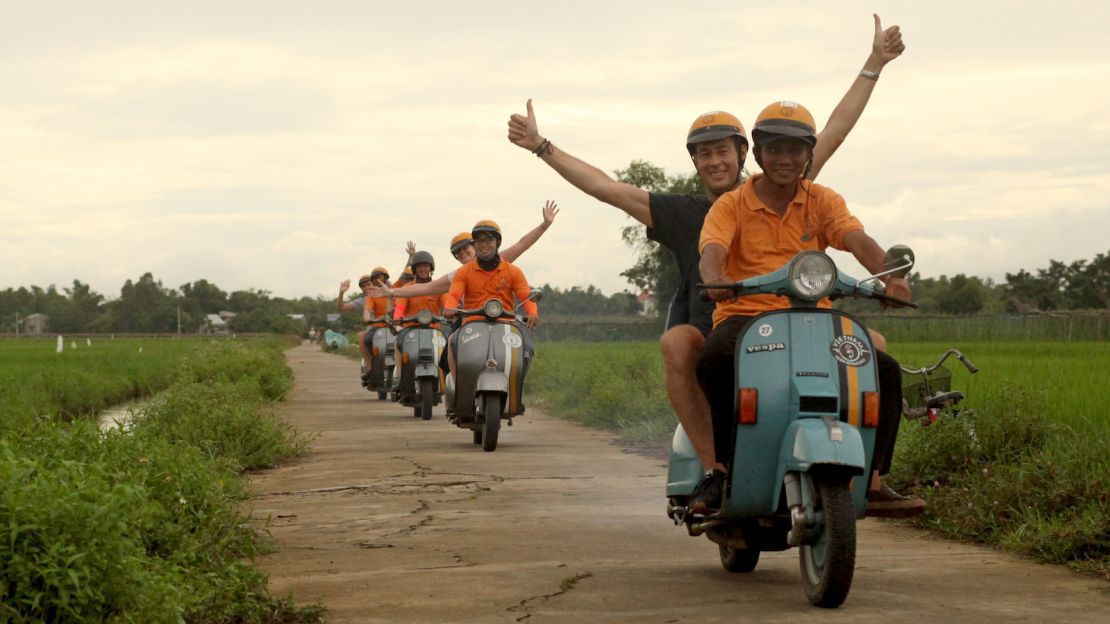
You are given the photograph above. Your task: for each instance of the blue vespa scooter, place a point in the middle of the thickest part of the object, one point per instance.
(807, 408)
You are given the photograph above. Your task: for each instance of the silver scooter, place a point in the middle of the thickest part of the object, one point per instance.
(380, 343)
(490, 363)
(416, 377)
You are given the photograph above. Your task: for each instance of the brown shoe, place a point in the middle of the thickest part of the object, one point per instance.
(886, 503)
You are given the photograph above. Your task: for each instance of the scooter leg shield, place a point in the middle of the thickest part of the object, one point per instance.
(684, 469)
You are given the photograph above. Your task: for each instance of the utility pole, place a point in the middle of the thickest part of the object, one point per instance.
(178, 321)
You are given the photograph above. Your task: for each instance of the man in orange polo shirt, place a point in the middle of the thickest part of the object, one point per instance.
(378, 310)
(758, 228)
(489, 277)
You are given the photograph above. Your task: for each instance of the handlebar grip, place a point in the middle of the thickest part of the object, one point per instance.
(970, 367)
(901, 302)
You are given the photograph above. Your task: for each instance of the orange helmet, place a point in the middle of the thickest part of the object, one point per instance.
(462, 239)
(713, 126)
(364, 279)
(379, 271)
(488, 226)
(785, 119)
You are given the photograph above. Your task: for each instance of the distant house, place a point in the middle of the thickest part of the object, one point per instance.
(647, 303)
(298, 318)
(226, 315)
(35, 324)
(333, 318)
(213, 324)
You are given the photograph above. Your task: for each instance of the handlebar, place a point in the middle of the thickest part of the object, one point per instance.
(928, 369)
(900, 302)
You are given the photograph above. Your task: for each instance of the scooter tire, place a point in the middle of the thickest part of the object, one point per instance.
(427, 398)
(739, 559)
(477, 436)
(492, 424)
(828, 563)
(381, 395)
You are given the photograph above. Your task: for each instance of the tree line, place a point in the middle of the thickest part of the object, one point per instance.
(147, 306)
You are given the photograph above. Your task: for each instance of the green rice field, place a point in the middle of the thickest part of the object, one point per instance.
(84, 378)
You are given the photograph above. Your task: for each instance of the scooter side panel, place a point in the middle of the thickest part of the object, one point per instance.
(684, 469)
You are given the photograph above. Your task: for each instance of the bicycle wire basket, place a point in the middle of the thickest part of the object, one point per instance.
(916, 387)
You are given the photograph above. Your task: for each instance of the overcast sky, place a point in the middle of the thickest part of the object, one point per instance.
(288, 145)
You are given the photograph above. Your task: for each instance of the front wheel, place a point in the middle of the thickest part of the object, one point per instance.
(829, 561)
(381, 395)
(477, 436)
(427, 397)
(739, 559)
(492, 426)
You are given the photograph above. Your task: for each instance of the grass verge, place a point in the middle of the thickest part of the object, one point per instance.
(147, 526)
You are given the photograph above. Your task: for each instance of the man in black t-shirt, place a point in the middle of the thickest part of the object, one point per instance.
(717, 145)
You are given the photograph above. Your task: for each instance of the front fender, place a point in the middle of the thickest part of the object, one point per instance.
(811, 441)
(492, 381)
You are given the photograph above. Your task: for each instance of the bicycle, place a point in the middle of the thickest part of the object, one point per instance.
(928, 390)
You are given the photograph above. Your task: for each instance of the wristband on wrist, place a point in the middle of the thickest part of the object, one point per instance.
(870, 75)
(544, 148)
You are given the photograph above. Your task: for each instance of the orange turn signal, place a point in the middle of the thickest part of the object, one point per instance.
(747, 401)
(404, 357)
(374, 352)
(870, 409)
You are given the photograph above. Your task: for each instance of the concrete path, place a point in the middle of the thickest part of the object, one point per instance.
(396, 519)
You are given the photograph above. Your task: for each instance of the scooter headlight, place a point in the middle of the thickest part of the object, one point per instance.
(493, 308)
(424, 317)
(812, 275)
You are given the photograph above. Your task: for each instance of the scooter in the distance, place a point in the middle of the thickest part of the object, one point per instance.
(807, 409)
(380, 343)
(416, 377)
(490, 364)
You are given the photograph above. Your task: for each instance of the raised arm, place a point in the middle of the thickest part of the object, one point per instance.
(524, 133)
(340, 305)
(550, 209)
(438, 286)
(886, 46)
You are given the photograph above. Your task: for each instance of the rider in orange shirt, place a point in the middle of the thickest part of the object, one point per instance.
(489, 277)
(423, 264)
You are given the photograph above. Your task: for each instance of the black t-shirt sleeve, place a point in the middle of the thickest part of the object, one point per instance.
(674, 224)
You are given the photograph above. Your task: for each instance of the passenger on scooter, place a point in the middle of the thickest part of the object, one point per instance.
(462, 248)
(373, 308)
(717, 146)
(757, 229)
(365, 284)
(487, 277)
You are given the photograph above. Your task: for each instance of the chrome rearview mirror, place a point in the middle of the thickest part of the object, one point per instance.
(898, 261)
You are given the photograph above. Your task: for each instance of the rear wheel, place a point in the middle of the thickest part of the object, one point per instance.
(492, 403)
(427, 397)
(381, 395)
(829, 561)
(477, 436)
(739, 559)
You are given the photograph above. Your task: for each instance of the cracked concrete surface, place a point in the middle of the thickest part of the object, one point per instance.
(394, 519)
